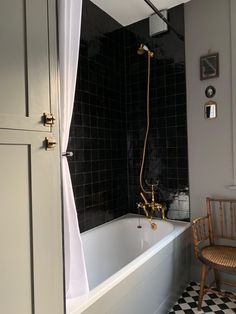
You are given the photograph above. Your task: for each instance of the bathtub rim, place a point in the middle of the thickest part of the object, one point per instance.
(80, 304)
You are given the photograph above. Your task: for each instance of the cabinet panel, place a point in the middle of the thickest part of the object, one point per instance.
(30, 225)
(38, 56)
(15, 230)
(25, 63)
(12, 61)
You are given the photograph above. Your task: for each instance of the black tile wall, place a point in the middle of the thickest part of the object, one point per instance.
(98, 131)
(109, 118)
(166, 157)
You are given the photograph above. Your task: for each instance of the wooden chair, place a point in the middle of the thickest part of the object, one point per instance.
(214, 238)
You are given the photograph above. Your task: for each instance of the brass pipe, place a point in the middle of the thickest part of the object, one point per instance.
(153, 195)
(144, 198)
(145, 211)
(163, 213)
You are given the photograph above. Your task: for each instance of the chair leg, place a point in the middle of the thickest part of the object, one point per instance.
(202, 283)
(217, 278)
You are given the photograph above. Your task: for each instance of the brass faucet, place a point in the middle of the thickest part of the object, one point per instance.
(151, 207)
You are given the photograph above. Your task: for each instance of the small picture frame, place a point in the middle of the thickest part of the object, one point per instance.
(209, 66)
(210, 110)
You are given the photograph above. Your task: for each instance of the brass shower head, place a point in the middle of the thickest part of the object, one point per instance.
(142, 49)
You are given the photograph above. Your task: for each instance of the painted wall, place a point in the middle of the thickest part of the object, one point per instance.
(207, 26)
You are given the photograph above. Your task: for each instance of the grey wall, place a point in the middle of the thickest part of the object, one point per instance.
(207, 26)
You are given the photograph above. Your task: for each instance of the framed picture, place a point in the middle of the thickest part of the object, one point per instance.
(209, 66)
(211, 110)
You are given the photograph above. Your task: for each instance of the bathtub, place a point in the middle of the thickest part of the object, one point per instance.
(133, 269)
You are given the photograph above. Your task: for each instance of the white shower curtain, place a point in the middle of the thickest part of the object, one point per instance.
(69, 37)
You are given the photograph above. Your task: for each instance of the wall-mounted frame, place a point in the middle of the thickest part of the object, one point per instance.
(209, 66)
(210, 110)
(210, 91)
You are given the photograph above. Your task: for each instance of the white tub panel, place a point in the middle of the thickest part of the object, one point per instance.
(152, 288)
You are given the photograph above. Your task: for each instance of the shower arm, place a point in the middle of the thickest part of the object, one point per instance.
(152, 6)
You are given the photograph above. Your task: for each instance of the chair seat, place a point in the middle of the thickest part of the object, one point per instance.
(219, 256)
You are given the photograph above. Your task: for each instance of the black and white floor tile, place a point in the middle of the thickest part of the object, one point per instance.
(212, 304)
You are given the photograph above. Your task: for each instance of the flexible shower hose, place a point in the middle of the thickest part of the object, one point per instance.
(147, 128)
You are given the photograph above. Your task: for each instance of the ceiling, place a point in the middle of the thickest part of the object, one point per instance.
(130, 11)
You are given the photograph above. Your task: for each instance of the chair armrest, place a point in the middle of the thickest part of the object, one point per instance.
(200, 232)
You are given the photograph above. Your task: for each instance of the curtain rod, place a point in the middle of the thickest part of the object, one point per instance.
(180, 36)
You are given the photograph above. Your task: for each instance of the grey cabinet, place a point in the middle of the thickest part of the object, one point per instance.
(31, 260)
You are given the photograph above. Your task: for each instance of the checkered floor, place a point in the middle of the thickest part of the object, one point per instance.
(211, 303)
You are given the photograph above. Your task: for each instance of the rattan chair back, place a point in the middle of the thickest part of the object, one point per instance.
(222, 220)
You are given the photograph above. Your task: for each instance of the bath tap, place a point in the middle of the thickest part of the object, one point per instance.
(151, 207)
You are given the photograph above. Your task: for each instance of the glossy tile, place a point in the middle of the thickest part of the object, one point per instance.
(109, 118)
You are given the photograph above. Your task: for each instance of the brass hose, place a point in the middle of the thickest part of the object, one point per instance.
(150, 54)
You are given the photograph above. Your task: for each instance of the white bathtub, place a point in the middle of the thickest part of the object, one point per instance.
(134, 270)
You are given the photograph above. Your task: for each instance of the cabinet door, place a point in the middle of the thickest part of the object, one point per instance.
(31, 261)
(27, 33)
(30, 225)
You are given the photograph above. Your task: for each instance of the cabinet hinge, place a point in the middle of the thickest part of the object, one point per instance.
(50, 143)
(48, 119)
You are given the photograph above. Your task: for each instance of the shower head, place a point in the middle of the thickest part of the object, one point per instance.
(142, 49)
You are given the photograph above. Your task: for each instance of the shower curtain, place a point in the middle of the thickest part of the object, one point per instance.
(69, 37)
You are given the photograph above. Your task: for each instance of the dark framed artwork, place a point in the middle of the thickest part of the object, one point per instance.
(210, 91)
(209, 66)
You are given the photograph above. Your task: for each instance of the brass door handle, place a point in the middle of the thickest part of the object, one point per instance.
(50, 143)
